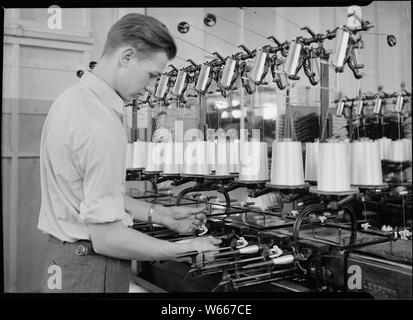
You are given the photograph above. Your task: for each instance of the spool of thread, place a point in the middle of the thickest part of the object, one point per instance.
(139, 154)
(408, 144)
(222, 159)
(253, 161)
(355, 154)
(293, 58)
(211, 155)
(234, 160)
(399, 151)
(287, 163)
(129, 155)
(179, 153)
(385, 148)
(173, 158)
(334, 173)
(342, 37)
(312, 155)
(195, 158)
(154, 160)
(365, 163)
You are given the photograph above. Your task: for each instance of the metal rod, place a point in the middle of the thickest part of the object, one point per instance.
(265, 274)
(231, 263)
(252, 283)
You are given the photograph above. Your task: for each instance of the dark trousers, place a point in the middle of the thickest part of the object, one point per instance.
(71, 269)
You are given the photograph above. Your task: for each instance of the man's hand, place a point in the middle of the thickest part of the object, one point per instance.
(183, 220)
(179, 213)
(205, 246)
(202, 244)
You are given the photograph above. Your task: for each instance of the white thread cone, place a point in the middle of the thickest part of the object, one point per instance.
(334, 173)
(355, 153)
(195, 158)
(385, 148)
(234, 160)
(139, 154)
(173, 158)
(365, 163)
(408, 146)
(287, 163)
(222, 156)
(129, 155)
(312, 156)
(253, 161)
(399, 151)
(179, 155)
(155, 155)
(211, 151)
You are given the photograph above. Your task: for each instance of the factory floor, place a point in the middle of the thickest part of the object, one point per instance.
(135, 288)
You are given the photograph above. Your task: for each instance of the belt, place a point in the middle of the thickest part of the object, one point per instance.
(81, 247)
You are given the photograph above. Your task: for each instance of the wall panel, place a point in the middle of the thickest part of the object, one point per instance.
(32, 243)
(72, 18)
(101, 21)
(5, 133)
(35, 72)
(5, 194)
(52, 58)
(47, 88)
(29, 141)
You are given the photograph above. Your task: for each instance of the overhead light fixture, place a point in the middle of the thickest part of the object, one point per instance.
(210, 20)
(221, 104)
(183, 27)
(236, 113)
(270, 110)
(235, 103)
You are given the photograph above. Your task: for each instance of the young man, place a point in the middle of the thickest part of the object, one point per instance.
(82, 167)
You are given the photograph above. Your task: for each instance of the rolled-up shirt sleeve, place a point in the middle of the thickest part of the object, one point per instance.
(101, 158)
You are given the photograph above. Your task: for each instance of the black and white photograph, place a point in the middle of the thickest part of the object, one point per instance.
(183, 150)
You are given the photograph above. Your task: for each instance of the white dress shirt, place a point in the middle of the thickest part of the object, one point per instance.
(82, 161)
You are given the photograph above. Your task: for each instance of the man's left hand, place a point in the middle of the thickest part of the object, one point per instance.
(183, 220)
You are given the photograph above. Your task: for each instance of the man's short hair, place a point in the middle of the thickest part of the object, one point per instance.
(146, 34)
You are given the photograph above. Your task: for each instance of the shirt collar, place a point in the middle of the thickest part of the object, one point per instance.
(105, 93)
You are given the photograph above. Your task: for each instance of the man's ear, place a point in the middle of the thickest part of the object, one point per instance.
(126, 54)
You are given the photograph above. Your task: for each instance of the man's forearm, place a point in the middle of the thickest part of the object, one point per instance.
(122, 242)
(139, 210)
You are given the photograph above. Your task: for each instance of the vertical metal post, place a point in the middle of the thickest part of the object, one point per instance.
(324, 98)
(203, 126)
(241, 92)
(350, 121)
(287, 124)
(134, 122)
